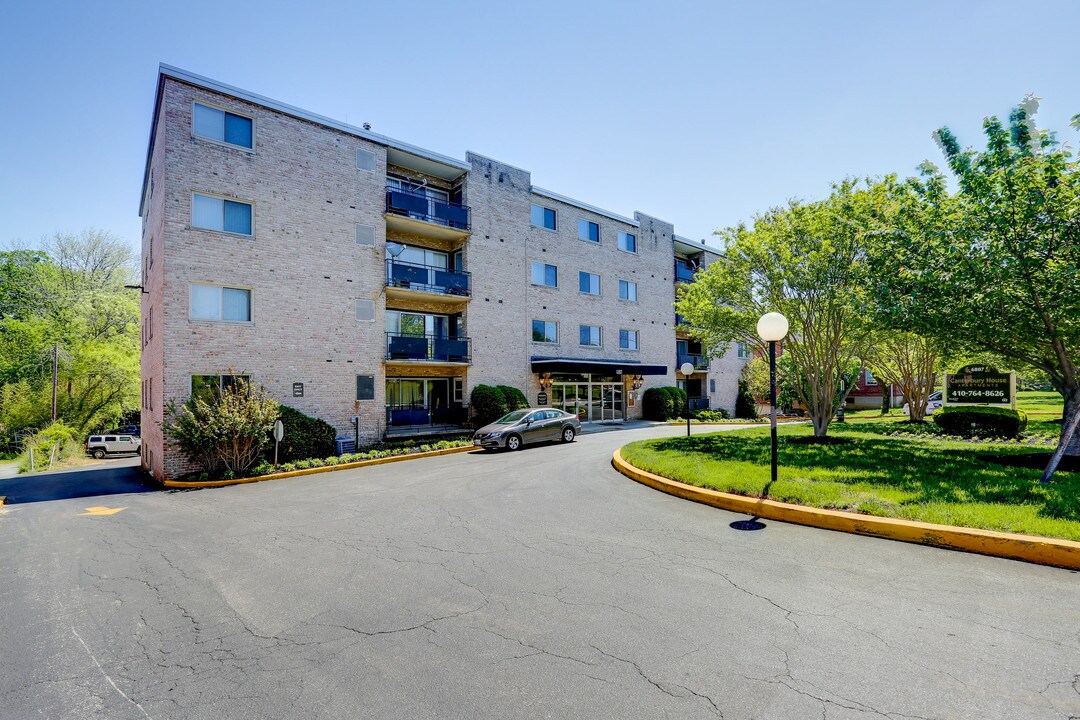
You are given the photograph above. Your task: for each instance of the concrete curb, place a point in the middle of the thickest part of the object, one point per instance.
(1031, 548)
(314, 471)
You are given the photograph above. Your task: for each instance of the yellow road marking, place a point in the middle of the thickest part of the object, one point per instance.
(101, 510)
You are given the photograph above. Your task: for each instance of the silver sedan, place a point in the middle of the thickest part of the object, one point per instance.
(523, 427)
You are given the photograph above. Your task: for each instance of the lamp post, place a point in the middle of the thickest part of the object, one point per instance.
(687, 369)
(772, 328)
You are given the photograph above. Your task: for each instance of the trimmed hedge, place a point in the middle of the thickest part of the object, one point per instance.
(488, 404)
(305, 437)
(656, 405)
(980, 421)
(678, 400)
(663, 403)
(515, 399)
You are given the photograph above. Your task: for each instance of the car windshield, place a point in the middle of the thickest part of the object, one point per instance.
(511, 417)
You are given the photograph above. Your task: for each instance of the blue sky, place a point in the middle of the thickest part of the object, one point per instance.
(698, 113)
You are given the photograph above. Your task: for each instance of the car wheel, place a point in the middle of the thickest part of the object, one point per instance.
(568, 434)
(99, 454)
(513, 443)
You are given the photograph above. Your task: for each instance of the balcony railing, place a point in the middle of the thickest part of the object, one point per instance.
(683, 272)
(427, 278)
(698, 361)
(434, 348)
(699, 404)
(420, 206)
(417, 417)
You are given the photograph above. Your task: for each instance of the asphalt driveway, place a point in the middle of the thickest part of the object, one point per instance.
(534, 584)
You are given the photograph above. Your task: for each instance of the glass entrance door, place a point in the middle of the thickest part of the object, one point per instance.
(590, 401)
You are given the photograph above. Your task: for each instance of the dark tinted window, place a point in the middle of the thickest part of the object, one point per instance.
(110, 438)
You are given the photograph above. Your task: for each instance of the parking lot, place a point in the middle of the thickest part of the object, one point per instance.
(514, 585)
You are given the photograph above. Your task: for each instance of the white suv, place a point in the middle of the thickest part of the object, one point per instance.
(101, 445)
(932, 403)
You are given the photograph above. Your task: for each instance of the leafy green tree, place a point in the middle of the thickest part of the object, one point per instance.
(993, 266)
(69, 295)
(805, 260)
(908, 361)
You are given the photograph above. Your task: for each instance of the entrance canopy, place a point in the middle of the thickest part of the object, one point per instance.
(596, 367)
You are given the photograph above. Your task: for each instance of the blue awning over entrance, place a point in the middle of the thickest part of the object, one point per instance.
(597, 367)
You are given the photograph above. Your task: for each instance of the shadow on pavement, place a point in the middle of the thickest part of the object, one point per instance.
(90, 482)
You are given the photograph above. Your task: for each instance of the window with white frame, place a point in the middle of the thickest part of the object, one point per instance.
(589, 335)
(216, 213)
(544, 274)
(543, 217)
(744, 351)
(627, 242)
(628, 290)
(545, 331)
(589, 283)
(215, 124)
(870, 378)
(223, 304)
(628, 339)
(588, 231)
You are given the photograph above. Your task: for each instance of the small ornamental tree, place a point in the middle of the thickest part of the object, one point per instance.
(908, 361)
(225, 428)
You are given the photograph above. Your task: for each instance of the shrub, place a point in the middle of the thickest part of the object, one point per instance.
(678, 400)
(712, 415)
(55, 443)
(980, 421)
(745, 407)
(515, 399)
(657, 404)
(305, 437)
(488, 404)
(228, 428)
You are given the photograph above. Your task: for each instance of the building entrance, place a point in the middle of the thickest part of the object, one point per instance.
(592, 398)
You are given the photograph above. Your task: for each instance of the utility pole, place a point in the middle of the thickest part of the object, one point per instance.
(55, 369)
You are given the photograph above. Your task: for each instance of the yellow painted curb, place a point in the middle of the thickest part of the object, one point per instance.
(313, 471)
(3, 500)
(1032, 548)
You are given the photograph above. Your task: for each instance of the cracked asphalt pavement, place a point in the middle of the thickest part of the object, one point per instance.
(538, 584)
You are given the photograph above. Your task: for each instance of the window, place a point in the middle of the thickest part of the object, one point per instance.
(545, 331)
(744, 350)
(628, 290)
(589, 283)
(365, 160)
(209, 385)
(214, 213)
(214, 124)
(628, 339)
(870, 378)
(226, 304)
(459, 390)
(628, 242)
(543, 274)
(543, 217)
(588, 231)
(590, 335)
(365, 234)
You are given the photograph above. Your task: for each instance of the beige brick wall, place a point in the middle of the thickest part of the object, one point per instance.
(306, 271)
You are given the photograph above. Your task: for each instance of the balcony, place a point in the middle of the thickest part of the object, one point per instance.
(417, 213)
(427, 349)
(419, 420)
(683, 271)
(405, 279)
(700, 362)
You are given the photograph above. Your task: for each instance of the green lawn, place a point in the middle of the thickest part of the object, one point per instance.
(913, 477)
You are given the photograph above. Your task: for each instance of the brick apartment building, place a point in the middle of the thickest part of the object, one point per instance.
(342, 269)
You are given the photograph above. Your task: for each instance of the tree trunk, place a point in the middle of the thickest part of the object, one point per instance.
(1072, 408)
